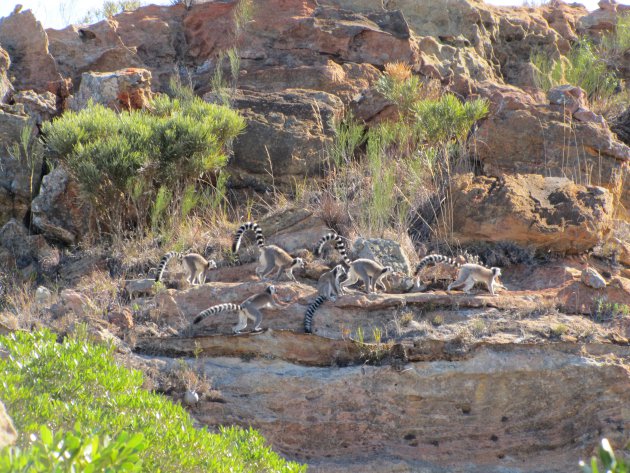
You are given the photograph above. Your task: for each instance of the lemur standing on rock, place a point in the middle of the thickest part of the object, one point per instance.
(328, 287)
(195, 266)
(271, 257)
(248, 309)
(468, 274)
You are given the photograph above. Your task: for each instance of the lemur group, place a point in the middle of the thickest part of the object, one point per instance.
(331, 284)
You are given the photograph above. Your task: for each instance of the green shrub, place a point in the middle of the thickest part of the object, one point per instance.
(121, 160)
(76, 383)
(75, 451)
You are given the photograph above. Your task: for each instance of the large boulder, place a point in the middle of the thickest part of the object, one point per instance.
(24, 38)
(546, 213)
(523, 136)
(126, 89)
(286, 136)
(301, 38)
(8, 435)
(56, 211)
(27, 250)
(386, 252)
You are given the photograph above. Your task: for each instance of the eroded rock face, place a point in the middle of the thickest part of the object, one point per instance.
(127, 89)
(8, 435)
(56, 211)
(93, 48)
(5, 84)
(493, 404)
(546, 213)
(32, 66)
(521, 137)
(286, 136)
(387, 252)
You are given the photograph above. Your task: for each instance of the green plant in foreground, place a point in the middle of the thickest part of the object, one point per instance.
(74, 451)
(76, 383)
(609, 462)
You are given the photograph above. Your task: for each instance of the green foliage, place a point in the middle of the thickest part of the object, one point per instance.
(75, 451)
(70, 385)
(121, 160)
(400, 87)
(604, 310)
(584, 66)
(616, 43)
(28, 151)
(349, 135)
(447, 118)
(610, 463)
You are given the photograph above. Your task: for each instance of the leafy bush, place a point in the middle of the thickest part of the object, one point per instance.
(122, 161)
(76, 383)
(75, 452)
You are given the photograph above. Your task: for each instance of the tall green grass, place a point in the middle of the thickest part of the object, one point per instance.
(76, 389)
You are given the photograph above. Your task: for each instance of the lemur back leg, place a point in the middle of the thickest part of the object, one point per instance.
(352, 279)
(470, 282)
(242, 322)
(255, 315)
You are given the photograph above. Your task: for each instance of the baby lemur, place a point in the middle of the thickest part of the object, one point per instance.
(271, 257)
(468, 274)
(328, 287)
(195, 266)
(248, 309)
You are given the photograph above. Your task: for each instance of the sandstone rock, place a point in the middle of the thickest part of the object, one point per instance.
(72, 301)
(16, 189)
(5, 84)
(43, 296)
(76, 266)
(95, 48)
(547, 213)
(621, 126)
(567, 97)
(25, 248)
(386, 252)
(56, 210)
(8, 435)
(285, 36)
(592, 278)
(32, 66)
(520, 137)
(40, 107)
(285, 138)
(122, 319)
(125, 89)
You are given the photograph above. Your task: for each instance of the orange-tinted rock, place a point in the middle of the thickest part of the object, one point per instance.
(23, 37)
(535, 211)
(127, 89)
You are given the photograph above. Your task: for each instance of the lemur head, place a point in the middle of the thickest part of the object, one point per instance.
(212, 264)
(298, 263)
(339, 270)
(271, 290)
(496, 272)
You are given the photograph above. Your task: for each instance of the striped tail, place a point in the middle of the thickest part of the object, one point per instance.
(260, 239)
(434, 259)
(215, 309)
(308, 316)
(340, 246)
(163, 262)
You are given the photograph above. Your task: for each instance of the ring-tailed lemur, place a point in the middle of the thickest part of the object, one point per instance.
(271, 257)
(339, 246)
(368, 271)
(248, 309)
(328, 287)
(468, 273)
(195, 266)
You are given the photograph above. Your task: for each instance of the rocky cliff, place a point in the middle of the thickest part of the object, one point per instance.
(527, 381)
